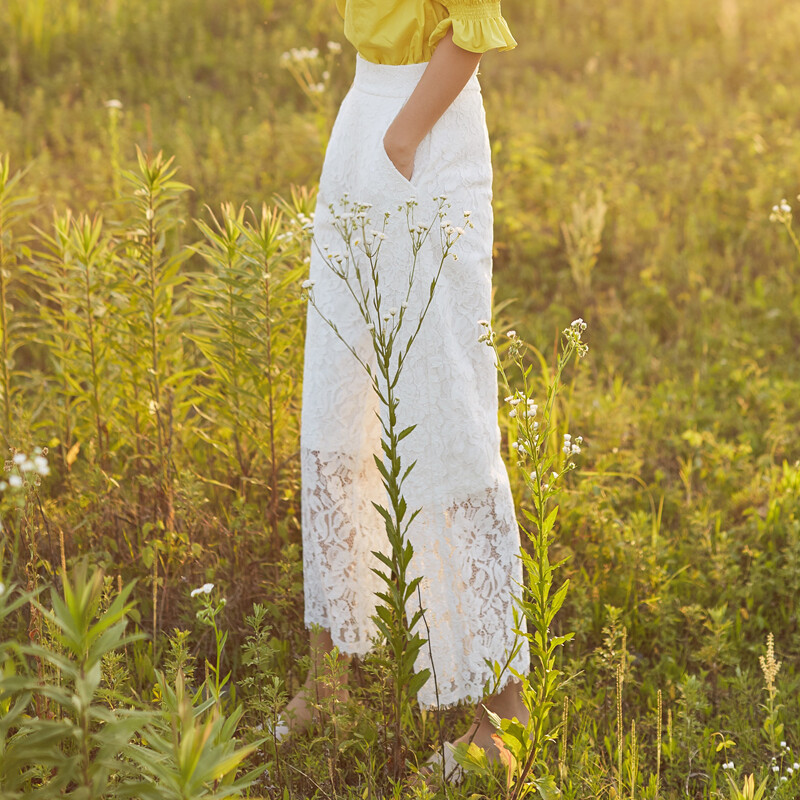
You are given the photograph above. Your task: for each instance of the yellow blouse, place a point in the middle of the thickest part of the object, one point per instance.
(407, 31)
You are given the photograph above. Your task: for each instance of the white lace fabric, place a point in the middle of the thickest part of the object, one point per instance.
(465, 539)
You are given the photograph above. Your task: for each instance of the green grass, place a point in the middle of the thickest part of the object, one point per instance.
(683, 519)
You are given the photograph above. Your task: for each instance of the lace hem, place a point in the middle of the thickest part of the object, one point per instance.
(466, 552)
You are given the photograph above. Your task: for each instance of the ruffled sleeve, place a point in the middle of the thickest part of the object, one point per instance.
(478, 26)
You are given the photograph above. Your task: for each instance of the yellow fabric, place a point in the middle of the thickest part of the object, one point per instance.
(407, 31)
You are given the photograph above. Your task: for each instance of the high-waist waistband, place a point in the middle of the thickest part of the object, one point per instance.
(396, 80)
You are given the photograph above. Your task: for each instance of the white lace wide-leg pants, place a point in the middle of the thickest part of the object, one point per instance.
(465, 539)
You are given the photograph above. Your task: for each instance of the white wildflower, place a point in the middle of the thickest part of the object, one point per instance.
(392, 311)
(19, 458)
(334, 48)
(113, 103)
(307, 284)
(15, 480)
(511, 334)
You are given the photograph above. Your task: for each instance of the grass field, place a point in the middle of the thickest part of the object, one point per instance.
(639, 149)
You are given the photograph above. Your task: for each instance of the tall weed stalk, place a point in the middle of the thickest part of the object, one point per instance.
(359, 269)
(13, 328)
(250, 333)
(523, 747)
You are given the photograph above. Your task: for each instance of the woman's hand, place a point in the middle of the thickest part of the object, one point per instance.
(401, 152)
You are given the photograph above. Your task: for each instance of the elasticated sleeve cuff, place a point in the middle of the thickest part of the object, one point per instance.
(477, 27)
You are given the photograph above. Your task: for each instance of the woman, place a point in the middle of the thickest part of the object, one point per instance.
(412, 124)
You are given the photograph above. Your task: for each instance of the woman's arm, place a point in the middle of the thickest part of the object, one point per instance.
(445, 76)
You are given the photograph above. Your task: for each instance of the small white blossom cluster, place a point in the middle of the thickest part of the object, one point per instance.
(781, 212)
(334, 48)
(728, 765)
(524, 408)
(488, 335)
(298, 55)
(571, 448)
(306, 220)
(790, 771)
(37, 464)
(352, 222)
(204, 589)
(113, 103)
(528, 410)
(573, 335)
(451, 233)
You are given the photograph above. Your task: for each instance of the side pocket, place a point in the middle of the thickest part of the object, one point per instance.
(391, 168)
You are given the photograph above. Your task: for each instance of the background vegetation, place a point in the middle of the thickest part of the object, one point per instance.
(152, 341)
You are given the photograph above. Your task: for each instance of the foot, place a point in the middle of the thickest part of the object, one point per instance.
(300, 712)
(506, 704)
(323, 683)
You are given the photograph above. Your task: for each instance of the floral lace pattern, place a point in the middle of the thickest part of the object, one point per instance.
(465, 538)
